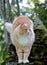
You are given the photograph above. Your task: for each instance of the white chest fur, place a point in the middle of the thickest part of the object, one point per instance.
(24, 40)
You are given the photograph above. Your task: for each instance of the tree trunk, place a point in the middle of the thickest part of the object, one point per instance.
(18, 8)
(3, 10)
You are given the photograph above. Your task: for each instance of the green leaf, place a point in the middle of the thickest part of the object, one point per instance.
(3, 63)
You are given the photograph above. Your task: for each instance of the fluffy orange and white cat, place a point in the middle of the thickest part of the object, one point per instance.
(22, 36)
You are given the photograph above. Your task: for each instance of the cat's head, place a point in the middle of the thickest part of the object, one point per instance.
(24, 29)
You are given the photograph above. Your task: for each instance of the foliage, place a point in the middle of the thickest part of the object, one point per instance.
(1, 30)
(3, 52)
(41, 10)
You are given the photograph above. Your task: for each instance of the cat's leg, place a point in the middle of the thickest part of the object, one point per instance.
(19, 54)
(26, 55)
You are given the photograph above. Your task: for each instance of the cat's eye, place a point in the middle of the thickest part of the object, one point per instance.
(26, 29)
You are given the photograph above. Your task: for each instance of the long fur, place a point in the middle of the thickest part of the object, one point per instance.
(22, 36)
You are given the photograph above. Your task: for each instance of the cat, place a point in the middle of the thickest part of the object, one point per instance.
(22, 36)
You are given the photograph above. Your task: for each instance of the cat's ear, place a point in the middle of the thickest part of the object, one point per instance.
(8, 27)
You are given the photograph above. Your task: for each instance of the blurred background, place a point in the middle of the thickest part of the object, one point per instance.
(36, 10)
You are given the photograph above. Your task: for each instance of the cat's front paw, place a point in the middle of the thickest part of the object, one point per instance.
(25, 61)
(20, 61)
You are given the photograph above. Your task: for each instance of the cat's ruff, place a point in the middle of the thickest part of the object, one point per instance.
(24, 40)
